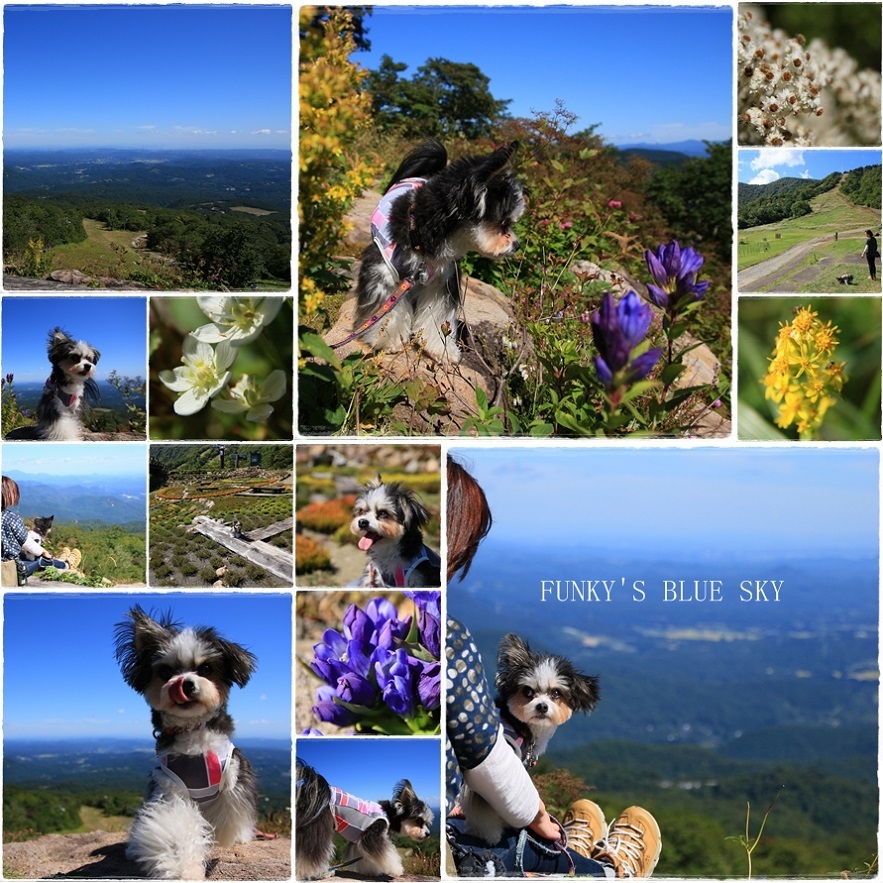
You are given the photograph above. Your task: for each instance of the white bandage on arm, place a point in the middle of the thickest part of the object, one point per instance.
(505, 784)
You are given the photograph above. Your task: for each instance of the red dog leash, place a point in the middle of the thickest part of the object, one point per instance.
(404, 287)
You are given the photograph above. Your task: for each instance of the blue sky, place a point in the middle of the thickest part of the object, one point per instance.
(107, 459)
(642, 73)
(714, 502)
(115, 326)
(61, 678)
(147, 76)
(766, 166)
(370, 767)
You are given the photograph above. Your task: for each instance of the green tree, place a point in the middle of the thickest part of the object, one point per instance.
(230, 258)
(444, 98)
(695, 198)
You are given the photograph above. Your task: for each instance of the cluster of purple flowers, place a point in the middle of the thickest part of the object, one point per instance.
(674, 272)
(381, 671)
(619, 329)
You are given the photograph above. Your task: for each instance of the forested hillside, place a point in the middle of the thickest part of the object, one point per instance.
(785, 198)
(197, 220)
(862, 186)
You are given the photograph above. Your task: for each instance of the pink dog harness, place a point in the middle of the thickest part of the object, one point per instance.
(353, 815)
(380, 231)
(200, 774)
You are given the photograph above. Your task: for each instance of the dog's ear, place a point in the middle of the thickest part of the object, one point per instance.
(497, 161)
(585, 692)
(97, 354)
(415, 514)
(242, 663)
(403, 795)
(513, 655)
(135, 641)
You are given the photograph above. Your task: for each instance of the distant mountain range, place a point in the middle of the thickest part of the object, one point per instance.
(691, 147)
(78, 499)
(154, 177)
(124, 764)
(28, 393)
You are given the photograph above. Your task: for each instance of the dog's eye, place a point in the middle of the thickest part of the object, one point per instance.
(358, 511)
(527, 692)
(164, 672)
(205, 670)
(556, 694)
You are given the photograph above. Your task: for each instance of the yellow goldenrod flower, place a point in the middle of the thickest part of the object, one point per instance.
(802, 378)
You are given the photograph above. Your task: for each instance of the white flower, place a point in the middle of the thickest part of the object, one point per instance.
(239, 320)
(202, 377)
(253, 396)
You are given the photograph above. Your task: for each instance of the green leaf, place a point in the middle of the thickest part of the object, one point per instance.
(671, 373)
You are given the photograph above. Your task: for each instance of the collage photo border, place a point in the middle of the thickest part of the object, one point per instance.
(318, 604)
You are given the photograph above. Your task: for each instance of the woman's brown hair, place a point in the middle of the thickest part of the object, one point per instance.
(10, 492)
(469, 518)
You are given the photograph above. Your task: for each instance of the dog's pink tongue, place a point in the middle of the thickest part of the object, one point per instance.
(177, 694)
(365, 543)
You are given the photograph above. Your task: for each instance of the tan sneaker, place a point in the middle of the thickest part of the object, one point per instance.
(585, 825)
(633, 844)
(75, 559)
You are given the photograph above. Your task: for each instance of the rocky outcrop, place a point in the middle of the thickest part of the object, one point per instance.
(69, 280)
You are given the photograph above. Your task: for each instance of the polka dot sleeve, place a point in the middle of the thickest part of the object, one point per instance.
(472, 717)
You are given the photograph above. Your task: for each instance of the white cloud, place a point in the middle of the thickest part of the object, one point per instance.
(771, 159)
(765, 176)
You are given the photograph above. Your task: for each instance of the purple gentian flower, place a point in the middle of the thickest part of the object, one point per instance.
(429, 685)
(674, 271)
(395, 678)
(356, 690)
(326, 709)
(617, 328)
(428, 620)
(378, 624)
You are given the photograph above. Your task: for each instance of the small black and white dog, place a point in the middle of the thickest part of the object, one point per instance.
(70, 382)
(32, 548)
(536, 693)
(321, 810)
(203, 790)
(389, 519)
(845, 279)
(431, 215)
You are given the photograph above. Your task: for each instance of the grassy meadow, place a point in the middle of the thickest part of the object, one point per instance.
(833, 238)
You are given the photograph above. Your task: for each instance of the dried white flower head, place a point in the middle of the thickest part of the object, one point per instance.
(791, 94)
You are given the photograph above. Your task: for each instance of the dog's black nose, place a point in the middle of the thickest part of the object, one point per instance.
(541, 708)
(364, 524)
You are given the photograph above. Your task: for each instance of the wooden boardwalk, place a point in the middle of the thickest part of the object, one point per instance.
(252, 546)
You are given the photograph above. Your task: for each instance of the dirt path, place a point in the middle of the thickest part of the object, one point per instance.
(765, 275)
(767, 272)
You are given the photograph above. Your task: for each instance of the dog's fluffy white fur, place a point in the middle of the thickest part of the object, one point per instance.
(366, 826)
(70, 383)
(186, 676)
